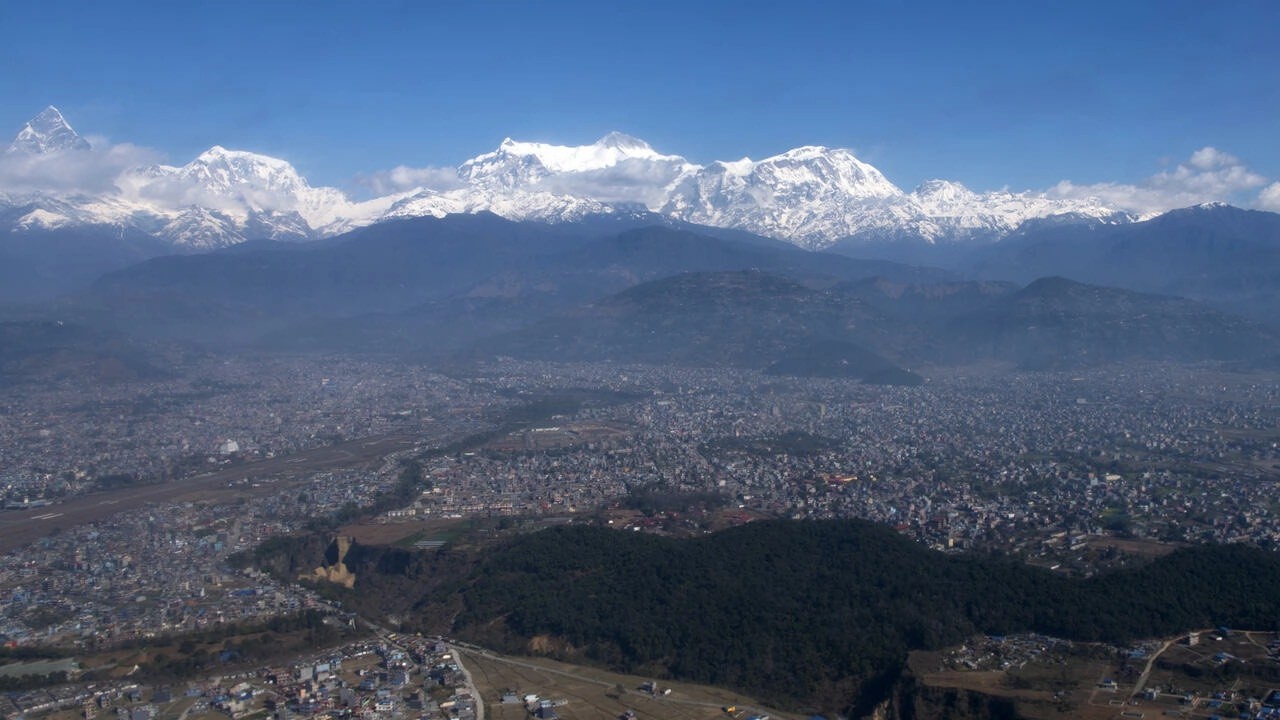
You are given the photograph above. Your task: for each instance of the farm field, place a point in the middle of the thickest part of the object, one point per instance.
(1204, 678)
(593, 694)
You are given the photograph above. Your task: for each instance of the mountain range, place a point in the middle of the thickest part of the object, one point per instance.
(465, 287)
(614, 251)
(814, 197)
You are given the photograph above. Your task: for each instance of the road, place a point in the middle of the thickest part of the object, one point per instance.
(385, 635)
(471, 685)
(21, 527)
(1146, 671)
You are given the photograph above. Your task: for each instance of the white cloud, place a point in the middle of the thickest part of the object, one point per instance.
(402, 178)
(172, 192)
(632, 180)
(1208, 158)
(1269, 198)
(1209, 175)
(72, 171)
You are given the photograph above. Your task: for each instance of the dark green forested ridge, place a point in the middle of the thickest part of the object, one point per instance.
(809, 611)
(812, 614)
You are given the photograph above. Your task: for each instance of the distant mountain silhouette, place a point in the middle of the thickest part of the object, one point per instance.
(478, 285)
(1055, 323)
(414, 278)
(1220, 254)
(739, 319)
(40, 264)
(41, 351)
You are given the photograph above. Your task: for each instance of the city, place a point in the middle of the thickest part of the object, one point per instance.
(1074, 471)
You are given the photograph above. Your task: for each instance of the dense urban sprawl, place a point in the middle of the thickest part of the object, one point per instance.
(1040, 464)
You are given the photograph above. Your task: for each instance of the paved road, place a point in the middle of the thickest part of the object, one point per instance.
(471, 685)
(20, 527)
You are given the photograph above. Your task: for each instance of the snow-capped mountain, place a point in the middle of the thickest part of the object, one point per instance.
(811, 196)
(224, 195)
(527, 181)
(47, 132)
(815, 197)
(514, 204)
(519, 165)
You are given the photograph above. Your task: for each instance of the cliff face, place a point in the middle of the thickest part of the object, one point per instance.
(335, 571)
(287, 557)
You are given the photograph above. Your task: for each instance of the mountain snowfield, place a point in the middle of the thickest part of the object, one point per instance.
(47, 132)
(811, 196)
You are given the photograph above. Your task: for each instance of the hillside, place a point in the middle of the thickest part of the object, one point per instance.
(424, 284)
(739, 319)
(815, 615)
(1055, 323)
(1215, 253)
(874, 328)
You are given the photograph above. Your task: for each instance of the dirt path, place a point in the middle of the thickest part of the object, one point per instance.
(1146, 671)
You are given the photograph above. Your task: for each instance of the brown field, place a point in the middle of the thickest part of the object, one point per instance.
(1173, 671)
(401, 530)
(1143, 548)
(1085, 702)
(1180, 661)
(388, 533)
(592, 694)
(561, 436)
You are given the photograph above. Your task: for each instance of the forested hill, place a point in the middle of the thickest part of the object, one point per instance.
(817, 613)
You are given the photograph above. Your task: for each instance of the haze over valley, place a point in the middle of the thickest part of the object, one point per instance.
(381, 369)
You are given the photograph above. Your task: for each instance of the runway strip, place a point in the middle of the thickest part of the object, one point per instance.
(21, 527)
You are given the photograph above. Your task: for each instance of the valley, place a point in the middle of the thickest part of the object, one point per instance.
(598, 422)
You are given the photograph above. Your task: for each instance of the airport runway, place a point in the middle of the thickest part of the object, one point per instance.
(20, 527)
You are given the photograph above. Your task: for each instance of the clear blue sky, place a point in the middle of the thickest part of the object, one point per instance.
(1022, 94)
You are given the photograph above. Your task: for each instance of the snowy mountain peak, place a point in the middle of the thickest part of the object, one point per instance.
(812, 196)
(622, 141)
(944, 191)
(242, 195)
(47, 132)
(806, 152)
(639, 171)
(817, 170)
(217, 153)
(939, 186)
(235, 167)
(605, 152)
(733, 167)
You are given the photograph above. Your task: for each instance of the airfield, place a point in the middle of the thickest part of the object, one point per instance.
(243, 480)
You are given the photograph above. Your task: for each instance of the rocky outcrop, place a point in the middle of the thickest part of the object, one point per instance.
(336, 571)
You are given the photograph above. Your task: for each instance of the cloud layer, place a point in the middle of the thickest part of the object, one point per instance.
(628, 181)
(1269, 198)
(1209, 175)
(72, 171)
(403, 178)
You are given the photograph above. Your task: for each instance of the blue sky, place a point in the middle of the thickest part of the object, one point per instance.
(1018, 94)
